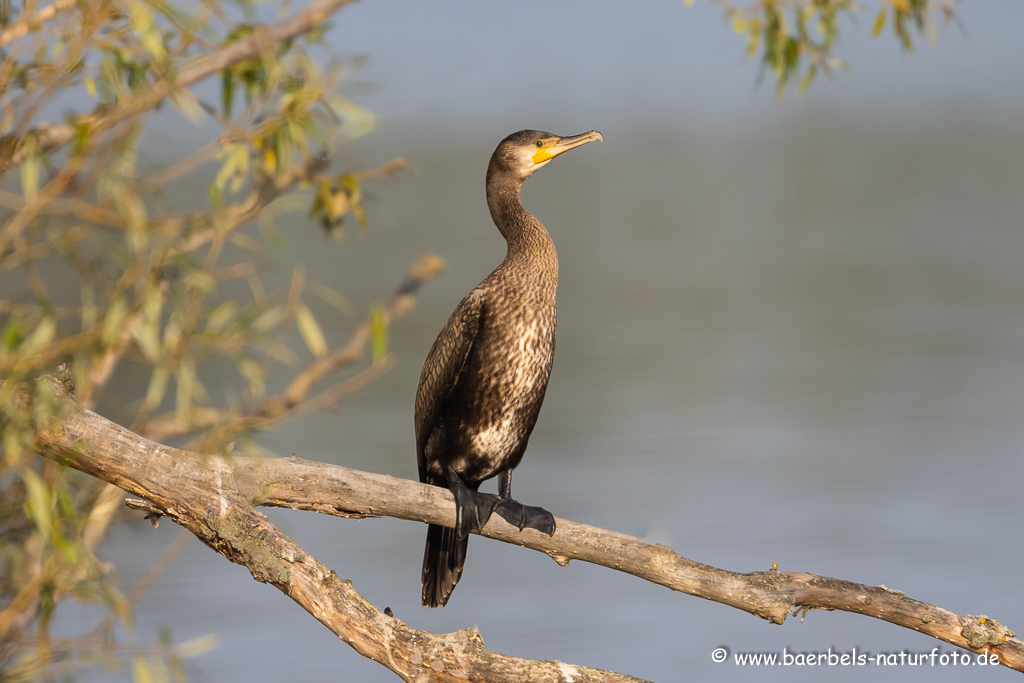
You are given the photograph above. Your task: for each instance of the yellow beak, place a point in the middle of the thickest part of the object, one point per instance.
(551, 150)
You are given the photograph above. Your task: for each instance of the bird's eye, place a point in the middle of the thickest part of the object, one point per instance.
(540, 143)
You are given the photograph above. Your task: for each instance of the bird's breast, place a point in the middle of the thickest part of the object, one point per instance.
(504, 386)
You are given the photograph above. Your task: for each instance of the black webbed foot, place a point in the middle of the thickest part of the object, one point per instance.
(523, 516)
(472, 508)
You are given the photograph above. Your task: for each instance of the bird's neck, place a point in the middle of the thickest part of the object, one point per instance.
(526, 236)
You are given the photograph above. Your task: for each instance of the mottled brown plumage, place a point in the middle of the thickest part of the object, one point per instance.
(485, 377)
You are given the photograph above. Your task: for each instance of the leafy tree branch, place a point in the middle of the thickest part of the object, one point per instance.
(797, 38)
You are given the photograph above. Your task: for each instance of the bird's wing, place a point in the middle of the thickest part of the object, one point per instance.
(443, 366)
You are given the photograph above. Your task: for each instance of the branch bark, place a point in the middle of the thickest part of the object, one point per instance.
(26, 25)
(216, 498)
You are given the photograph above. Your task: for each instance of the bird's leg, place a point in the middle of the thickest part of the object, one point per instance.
(505, 485)
(472, 508)
(517, 514)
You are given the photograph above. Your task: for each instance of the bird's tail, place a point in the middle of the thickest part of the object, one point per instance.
(443, 560)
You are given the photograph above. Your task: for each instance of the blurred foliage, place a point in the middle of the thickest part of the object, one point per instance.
(796, 39)
(112, 269)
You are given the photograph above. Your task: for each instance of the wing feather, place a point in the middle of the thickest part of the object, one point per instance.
(442, 369)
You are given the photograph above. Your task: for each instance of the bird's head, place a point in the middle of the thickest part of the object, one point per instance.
(522, 153)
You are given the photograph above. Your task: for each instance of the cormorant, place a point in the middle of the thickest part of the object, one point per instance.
(484, 379)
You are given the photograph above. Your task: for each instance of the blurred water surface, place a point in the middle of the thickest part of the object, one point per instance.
(804, 345)
(788, 333)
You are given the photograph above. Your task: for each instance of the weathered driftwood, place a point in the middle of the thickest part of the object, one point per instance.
(216, 499)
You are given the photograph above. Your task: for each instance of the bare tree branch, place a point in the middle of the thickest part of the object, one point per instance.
(25, 25)
(215, 499)
(212, 498)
